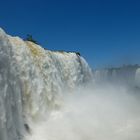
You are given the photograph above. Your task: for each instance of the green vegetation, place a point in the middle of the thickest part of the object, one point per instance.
(30, 38)
(78, 53)
(62, 51)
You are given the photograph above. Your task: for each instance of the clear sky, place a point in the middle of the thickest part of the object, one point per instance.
(105, 32)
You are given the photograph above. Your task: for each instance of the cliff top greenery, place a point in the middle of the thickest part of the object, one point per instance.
(30, 38)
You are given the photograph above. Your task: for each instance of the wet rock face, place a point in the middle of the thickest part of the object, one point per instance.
(27, 128)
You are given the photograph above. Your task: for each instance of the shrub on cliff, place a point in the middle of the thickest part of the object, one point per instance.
(30, 38)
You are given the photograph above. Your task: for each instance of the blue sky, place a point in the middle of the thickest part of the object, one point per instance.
(105, 32)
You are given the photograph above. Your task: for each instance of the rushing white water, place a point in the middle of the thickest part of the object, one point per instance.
(33, 81)
(46, 95)
(126, 75)
(45, 75)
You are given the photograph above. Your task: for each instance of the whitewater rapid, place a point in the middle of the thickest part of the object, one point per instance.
(55, 95)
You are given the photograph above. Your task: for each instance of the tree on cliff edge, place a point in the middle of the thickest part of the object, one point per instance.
(30, 38)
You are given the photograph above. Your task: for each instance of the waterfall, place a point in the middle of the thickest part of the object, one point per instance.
(127, 75)
(55, 95)
(11, 120)
(33, 82)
